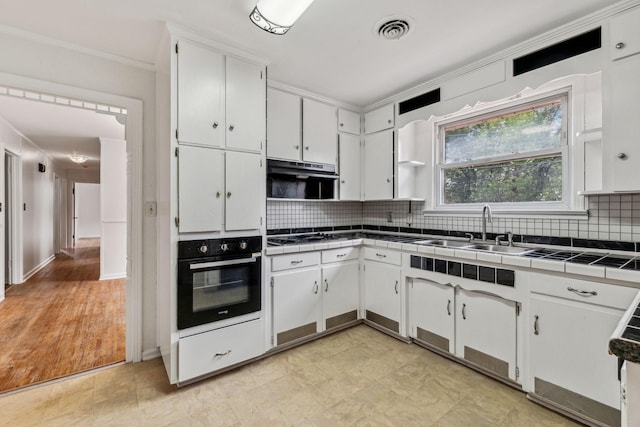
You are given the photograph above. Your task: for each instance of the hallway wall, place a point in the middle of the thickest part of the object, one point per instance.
(87, 210)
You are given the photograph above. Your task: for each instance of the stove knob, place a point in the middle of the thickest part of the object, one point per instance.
(224, 247)
(243, 245)
(203, 249)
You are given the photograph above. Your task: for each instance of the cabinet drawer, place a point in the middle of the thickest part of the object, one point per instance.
(210, 351)
(287, 262)
(383, 255)
(342, 254)
(581, 290)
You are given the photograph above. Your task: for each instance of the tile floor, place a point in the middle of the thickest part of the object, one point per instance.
(355, 377)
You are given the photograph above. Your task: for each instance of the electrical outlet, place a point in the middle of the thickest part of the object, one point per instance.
(389, 216)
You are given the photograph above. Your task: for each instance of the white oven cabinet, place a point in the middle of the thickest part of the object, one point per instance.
(569, 329)
(348, 121)
(432, 313)
(284, 120)
(340, 288)
(349, 167)
(319, 135)
(485, 328)
(378, 166)
(217, 190)
(383, 288)
(220, 99)
(205, 353)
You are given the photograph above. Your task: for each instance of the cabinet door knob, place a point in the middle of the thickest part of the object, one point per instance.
(342, 182)
(228, 194)
(215, 125)
(341, 124)
(620, 45)
(231, 127)
(306, 148)
(217, 194)
(297, 147)
(622, 156)
(388, 180)
(389, 121)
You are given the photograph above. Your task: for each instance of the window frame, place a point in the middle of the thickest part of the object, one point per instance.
(527, 97)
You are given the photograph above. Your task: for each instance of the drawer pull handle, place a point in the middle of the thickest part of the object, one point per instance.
(464, 316)
(315, 287)
(297, 261)
(381, 255)
(326, 285)
(226, 353)
(396, 287)
(448, 307)
(581, 292)
(536, 331)
(341, 255)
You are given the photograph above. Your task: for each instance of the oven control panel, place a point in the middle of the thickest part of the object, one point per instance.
(234, 246)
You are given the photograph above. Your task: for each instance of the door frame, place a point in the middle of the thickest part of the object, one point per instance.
(13, 227)
(134, 138)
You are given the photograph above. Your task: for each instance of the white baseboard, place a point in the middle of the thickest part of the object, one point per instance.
(152, 353)
(37, 268)
(113, 276)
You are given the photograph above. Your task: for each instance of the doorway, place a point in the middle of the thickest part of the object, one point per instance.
(132, 284)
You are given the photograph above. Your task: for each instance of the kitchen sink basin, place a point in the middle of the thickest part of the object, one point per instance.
(444, 243)
(497, 248)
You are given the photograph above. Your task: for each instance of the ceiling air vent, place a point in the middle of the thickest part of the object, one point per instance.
(393, 27)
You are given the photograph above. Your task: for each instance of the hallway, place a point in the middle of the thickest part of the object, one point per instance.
(63, 320)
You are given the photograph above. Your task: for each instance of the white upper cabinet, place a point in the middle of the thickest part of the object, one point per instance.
(201, 104)
(284, 115)
(245, 116)
(348, 121)
(625, 34)
(379, 119)
(220, 100)
(200, 189)
(349, 167)
(244, 177)
(378, 166)
(319, 136)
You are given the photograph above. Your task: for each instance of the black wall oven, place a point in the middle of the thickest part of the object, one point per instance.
(218, 279)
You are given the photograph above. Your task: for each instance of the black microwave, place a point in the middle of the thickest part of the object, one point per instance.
(301, 180)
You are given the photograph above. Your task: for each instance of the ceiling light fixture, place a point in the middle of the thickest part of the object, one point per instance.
(78, 158)
(277, 16)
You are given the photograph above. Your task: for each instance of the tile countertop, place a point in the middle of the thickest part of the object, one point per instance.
(625, 340)
(545, 260)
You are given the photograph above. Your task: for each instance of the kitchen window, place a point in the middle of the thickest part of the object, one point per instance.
(513, 156)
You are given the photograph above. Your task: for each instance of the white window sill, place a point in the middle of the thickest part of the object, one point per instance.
(496, 212)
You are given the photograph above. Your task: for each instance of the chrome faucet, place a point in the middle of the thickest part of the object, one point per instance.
(485, 217)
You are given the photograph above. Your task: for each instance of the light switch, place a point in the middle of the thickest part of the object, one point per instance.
(150, 208)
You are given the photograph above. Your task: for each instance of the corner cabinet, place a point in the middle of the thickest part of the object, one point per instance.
(220, 99)
(621, 131)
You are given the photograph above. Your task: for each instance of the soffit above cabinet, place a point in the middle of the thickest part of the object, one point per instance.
(333, 49)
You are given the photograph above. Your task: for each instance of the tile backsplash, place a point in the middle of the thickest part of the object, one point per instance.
(611, 217)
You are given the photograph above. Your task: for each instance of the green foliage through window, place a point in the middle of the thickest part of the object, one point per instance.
(510, 156)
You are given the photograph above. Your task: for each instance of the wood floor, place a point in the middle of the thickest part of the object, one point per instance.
(63, 320)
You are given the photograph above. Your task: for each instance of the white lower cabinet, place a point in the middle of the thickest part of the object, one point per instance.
(308, 298)
(382, 288)
(296, 304)
(432, 311)
(570, 325)
(208, 352)
(475, 326)
(486, 331)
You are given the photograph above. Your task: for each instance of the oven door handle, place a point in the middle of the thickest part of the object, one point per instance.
(215, 264)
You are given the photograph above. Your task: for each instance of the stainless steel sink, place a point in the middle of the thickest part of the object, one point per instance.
(444, 243)
(497, 248)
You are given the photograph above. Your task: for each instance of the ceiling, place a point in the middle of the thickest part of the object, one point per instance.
(60, 130)
(331, 50)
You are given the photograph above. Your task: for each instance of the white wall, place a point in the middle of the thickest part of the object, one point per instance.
(113, 211)
(55, 64)
(87, 211)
